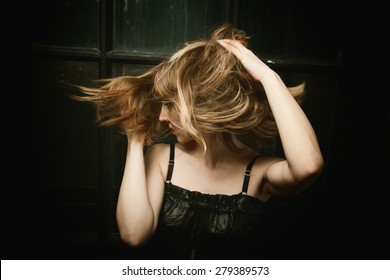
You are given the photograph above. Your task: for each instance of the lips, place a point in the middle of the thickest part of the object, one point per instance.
(172, 129)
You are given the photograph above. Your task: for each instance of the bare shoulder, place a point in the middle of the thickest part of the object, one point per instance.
(158, 151)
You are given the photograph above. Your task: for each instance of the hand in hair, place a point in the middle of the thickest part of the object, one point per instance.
(248, 59)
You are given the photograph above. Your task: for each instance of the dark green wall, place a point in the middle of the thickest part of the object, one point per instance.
(64, 172)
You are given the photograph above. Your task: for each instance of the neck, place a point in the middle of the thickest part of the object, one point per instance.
(217, 151)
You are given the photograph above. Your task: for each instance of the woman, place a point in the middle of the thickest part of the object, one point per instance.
(205, 193)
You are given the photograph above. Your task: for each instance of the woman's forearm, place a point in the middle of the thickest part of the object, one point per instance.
(134, 213)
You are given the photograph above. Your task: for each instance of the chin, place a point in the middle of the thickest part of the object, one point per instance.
(182, 139)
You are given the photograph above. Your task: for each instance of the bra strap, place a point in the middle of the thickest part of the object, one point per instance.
(247, 175)
(171, 162)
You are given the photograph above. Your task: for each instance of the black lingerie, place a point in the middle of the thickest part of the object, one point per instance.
(208, 226)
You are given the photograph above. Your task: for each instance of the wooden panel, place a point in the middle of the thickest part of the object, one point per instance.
(161, 26)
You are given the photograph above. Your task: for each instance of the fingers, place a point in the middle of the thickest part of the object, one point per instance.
(230, 42)
(233, 46)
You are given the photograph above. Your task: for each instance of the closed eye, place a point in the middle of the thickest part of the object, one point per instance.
(167, 104)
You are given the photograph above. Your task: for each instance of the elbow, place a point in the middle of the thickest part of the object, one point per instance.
(301, 178)
(307, 175)
(134, 236)
(133, 240)
(134, 232)
(312, 169)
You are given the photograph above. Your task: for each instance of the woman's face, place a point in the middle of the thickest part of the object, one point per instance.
(169, 115)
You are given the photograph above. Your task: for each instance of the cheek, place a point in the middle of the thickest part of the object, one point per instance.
(174, 118)
(182, 138)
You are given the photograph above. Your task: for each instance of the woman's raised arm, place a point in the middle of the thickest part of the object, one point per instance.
(304, 159)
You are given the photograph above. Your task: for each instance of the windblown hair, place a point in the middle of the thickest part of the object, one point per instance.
(208, 87)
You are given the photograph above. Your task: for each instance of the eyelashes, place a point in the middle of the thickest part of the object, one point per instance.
(168, 104)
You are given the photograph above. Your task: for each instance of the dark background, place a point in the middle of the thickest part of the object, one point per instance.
(62, 172)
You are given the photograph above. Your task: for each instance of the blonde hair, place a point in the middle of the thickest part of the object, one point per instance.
(209, 88)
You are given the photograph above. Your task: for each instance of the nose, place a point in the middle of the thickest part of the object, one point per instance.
(163, 114)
